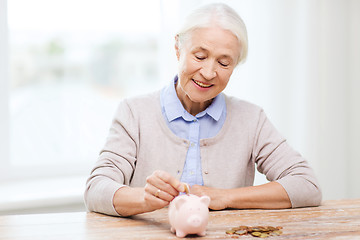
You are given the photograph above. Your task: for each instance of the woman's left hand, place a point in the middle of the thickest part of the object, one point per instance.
(219, 197)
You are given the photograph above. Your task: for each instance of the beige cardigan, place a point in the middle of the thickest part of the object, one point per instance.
(140, 142)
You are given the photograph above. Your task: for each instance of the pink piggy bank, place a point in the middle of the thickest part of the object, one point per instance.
(189, 214)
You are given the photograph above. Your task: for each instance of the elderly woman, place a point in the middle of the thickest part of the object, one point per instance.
(190, 132)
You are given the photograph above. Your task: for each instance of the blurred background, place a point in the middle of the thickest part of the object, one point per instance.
(65, 65)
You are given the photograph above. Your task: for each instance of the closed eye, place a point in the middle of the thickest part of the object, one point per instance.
(223, 64)
(200, 57)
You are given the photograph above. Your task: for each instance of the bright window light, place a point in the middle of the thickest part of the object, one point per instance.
(71, 61)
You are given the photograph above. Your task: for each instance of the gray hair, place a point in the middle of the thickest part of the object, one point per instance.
(215, 14)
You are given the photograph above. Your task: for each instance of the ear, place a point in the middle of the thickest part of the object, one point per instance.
(177, 47)
(179, 202)
(205, 200)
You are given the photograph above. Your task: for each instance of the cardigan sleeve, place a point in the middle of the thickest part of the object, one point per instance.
(115, 165)
(279, 162)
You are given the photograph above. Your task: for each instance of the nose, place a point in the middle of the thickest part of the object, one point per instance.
(194, 221)
(208, 70)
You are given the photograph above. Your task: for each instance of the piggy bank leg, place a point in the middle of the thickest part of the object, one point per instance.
(202, 234)
(180, 233)
(172, 230)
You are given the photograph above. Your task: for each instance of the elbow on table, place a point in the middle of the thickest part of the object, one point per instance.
(317, 197)
(310, 198)
(302, 192)
(87, 201)
(92, 198)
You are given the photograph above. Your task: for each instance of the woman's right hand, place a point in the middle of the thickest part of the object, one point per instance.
(160, 189)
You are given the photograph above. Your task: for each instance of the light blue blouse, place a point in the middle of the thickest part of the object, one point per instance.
(205, 124)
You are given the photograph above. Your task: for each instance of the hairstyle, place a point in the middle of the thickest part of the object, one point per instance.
(215, 14)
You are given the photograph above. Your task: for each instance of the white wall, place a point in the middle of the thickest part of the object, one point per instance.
(334, 129)
(4, 132)
(333, 99)
(354, 100)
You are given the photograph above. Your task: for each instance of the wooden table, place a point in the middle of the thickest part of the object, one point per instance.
(336, 219)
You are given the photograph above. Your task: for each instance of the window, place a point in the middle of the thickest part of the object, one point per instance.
(70, 62)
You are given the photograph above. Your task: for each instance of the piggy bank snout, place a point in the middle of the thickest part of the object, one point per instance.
(195, 220)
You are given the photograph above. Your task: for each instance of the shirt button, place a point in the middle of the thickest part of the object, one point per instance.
(192, 144)
(206, 172)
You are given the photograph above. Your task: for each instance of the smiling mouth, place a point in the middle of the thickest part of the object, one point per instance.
(200, 84)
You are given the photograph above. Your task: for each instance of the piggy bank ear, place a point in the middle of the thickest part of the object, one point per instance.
(205, 200)
(179, 202)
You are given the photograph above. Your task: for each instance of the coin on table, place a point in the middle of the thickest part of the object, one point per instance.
(230, 231)
(256, 234)
(270, 228)
(264, 235)
(241, 232)
(258, 229)
(276, 233)
(244, 228)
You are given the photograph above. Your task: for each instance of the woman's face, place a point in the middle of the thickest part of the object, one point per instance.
(206, 62)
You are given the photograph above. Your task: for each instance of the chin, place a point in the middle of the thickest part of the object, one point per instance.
(199, 99)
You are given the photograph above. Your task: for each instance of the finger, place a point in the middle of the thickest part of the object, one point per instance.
(158, 193)
(160, 180)
(154, 202)
(163, 195)
(172, 181)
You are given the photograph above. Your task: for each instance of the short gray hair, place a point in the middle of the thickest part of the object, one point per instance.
(221, 15)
